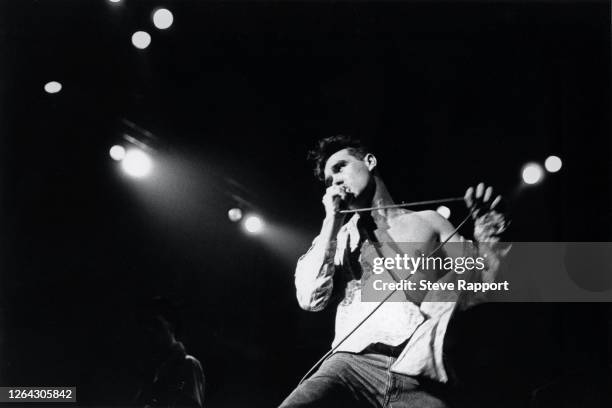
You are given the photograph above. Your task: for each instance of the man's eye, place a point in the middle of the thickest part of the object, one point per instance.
(338, 167)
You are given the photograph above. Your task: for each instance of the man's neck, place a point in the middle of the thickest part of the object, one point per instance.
(380, 197)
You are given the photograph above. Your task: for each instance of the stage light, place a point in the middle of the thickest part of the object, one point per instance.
(235, 214)
(53, 87)
(532, 173)
(162, 18)
(253, 224)
(114, 1)
(553, 164)
(141, 39)
(137, 163)
(444, 211)
(117, 152)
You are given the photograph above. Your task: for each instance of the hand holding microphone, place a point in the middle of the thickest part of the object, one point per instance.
(334, 200)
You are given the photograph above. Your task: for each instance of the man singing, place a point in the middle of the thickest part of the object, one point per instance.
(394, 358)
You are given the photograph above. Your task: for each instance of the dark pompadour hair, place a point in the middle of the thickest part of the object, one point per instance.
(330, 145)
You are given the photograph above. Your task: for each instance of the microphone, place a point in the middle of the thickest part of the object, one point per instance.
(337, 204)
(339, 199)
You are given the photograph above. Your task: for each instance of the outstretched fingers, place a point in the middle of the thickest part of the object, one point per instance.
(480, 199)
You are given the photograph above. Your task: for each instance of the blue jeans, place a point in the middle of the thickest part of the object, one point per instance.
(361, 380)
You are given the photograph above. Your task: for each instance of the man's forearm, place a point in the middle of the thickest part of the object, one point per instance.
(315, 269)
(493, 253)
(488, 231)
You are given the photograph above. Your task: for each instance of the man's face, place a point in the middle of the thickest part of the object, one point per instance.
(344, 169)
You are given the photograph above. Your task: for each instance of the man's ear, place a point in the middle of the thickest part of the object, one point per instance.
(370, 161)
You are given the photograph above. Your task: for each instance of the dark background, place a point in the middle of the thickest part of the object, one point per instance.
(447, 93)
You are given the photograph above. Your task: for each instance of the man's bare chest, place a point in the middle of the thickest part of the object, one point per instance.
(409, 228)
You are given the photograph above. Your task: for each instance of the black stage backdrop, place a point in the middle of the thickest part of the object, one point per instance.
(447, 93)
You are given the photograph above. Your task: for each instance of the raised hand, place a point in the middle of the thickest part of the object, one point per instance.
(478, 200)
(489, 222)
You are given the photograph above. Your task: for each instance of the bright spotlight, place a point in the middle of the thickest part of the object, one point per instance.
(141, 39)
(136, 163)
(253, 224)
(117, 152)
(553, 164)
(53, 87)
(532, 173)
(162, 18)
(114, 1)
(235, 214)
(444, 211)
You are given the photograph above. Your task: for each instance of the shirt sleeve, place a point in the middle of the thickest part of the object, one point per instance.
(489, 254)
(314, 276)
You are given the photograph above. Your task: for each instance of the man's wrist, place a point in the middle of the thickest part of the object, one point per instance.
(490, 227)
(329, 231)
(334, 220)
